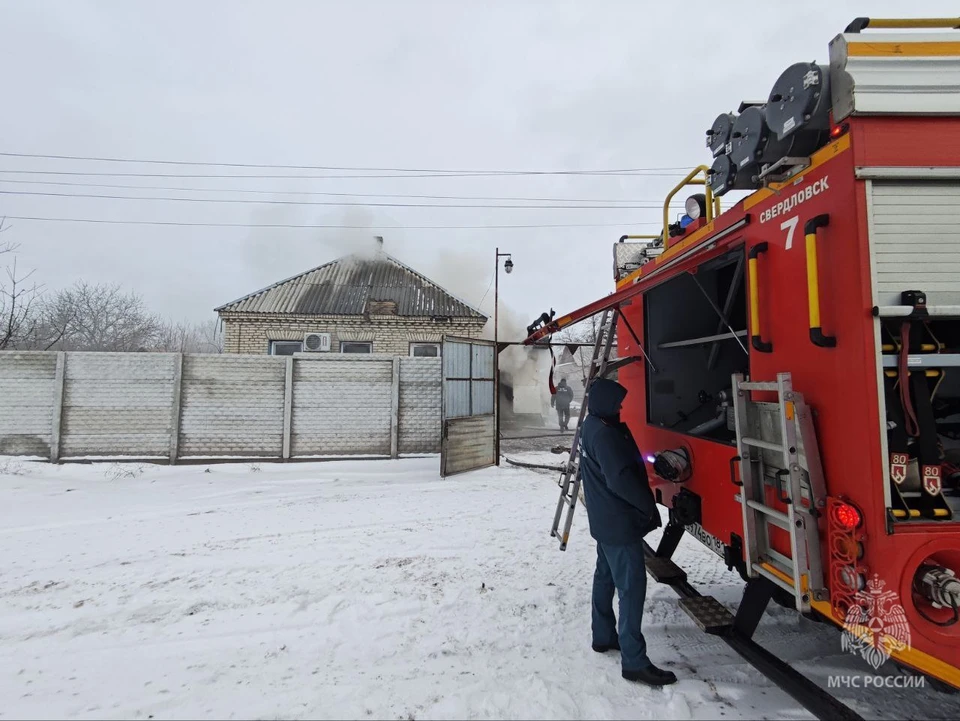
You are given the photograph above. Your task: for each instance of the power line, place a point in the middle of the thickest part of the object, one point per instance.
(187, 224)
(151, 161)
(480, 304)
(655, 203)
(638, 173)
(338, 203)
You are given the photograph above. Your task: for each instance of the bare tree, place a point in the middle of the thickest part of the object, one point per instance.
(187, 337)
(210, 336)
(8, 246)
(100, 318)
(18, 300)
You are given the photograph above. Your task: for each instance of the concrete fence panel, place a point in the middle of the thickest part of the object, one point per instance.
(231, 406)
(27, 389)
(117, 404)
(167, 405)
(342, 406)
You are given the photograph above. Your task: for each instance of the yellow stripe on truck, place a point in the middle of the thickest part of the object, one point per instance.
(910, 656)
(902, 50)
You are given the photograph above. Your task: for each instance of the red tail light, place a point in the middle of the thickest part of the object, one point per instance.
(847, 516)
(837, 130)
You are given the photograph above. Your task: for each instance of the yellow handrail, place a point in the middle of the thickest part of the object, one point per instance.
(691, 179)
(810, 228)
(903, 23)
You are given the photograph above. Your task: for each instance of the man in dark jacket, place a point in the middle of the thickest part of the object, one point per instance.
(562, 400)
(621, 510)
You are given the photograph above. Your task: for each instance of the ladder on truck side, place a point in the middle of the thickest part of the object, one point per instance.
(779, 458)
(600, 365)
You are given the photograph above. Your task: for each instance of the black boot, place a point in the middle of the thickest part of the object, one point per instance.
(651, 676)
(601, 648)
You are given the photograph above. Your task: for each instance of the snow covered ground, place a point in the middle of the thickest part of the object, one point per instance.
(366, 589)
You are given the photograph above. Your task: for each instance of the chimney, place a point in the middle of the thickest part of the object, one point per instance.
(379, 239)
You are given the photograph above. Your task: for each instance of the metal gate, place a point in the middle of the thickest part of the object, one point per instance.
(468, 407)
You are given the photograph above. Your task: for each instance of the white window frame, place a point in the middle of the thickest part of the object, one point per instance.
(367, 343)
(416, 345)
(274, 343)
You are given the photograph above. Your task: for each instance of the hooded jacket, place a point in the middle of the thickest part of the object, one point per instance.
(563, 397)
(620, 505)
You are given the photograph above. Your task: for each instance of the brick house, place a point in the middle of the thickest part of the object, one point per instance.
(350, 305)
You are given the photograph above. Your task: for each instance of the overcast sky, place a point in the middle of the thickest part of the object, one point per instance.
(450, 84)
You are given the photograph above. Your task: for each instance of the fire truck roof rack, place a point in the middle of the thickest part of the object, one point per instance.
(902, 24)
(712, 203)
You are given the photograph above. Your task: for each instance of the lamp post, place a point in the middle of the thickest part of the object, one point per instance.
(508, 268)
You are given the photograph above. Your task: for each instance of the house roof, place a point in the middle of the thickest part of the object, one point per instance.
(345, 286)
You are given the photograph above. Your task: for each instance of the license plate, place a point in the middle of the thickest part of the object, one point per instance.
(707, 539)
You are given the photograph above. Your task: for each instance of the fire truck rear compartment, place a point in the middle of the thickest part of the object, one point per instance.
(934, 345)
(915, 250)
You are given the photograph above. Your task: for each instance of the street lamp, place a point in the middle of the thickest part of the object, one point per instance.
(508, 267)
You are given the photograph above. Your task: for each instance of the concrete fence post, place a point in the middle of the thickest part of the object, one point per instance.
(57, 424)
(287, 407)
(176, 401)
(395, 411)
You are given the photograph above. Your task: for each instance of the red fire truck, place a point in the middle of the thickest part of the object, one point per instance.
(793, 361)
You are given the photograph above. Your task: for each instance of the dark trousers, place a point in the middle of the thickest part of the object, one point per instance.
(621, 569)
(563, 415)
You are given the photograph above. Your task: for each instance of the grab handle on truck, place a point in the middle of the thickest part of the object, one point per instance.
(754, 280)
(817, 336)
(733, 470)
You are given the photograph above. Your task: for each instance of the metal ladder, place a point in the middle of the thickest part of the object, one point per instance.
(779, 458)
(600, 365)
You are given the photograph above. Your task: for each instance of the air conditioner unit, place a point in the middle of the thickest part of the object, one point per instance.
(316, 342)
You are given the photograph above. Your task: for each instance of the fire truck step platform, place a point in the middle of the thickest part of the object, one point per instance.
(664, 570)
(708, 613)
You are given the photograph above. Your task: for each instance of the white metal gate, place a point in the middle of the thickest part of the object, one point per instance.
(468, 407)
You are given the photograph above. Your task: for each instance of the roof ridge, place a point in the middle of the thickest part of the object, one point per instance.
(433, 283)
(381, 256)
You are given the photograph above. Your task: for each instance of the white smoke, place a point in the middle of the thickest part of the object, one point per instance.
(271, 255)
(525, 369)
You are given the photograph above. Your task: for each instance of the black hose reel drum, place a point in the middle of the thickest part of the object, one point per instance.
(794, 122)
(753, 145)
(718, 136)
(724, 176)
(799, 107)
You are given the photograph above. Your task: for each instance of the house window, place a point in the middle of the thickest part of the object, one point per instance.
(285, 347)
(425, 350)
(356, 347)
